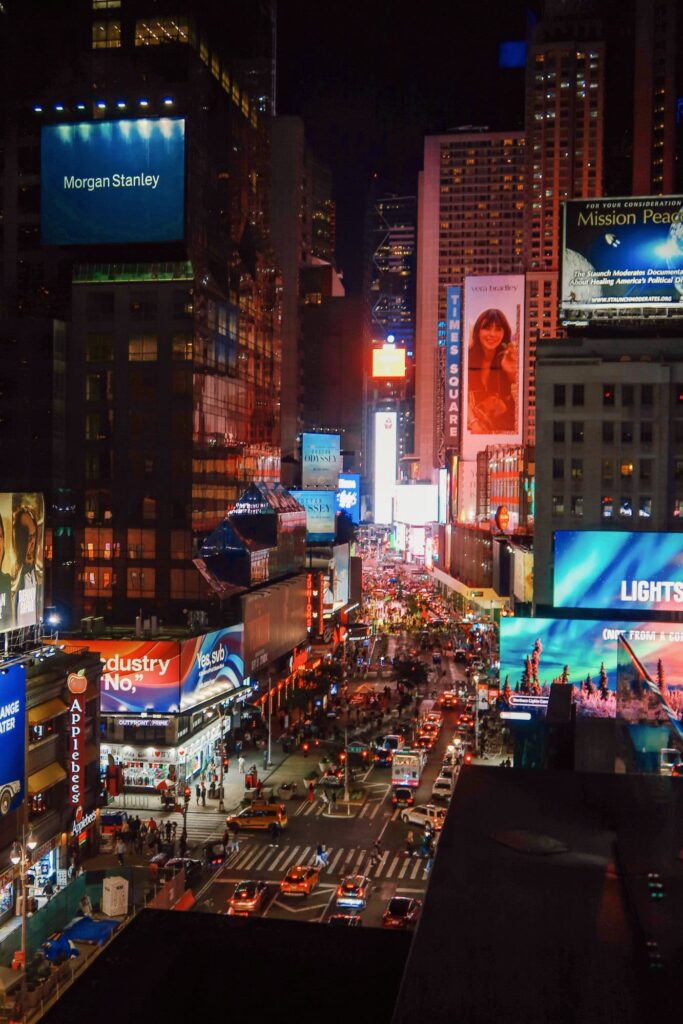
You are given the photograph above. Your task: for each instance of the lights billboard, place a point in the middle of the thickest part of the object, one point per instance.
(453, 361)
(22, 521)
(348, 496)
(618, 570)
(12, 738)
(113, 181)
(416, 504)
(321, 514)
(211, 666)
(494, 361)
(389, 361)
(620, 255)
(321, 461)
(385, 465)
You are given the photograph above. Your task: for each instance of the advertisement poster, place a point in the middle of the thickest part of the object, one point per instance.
(211, 666)
(321, 514)
(389, 362)
(385, 465)
(494, 361)
(113, 181)
(12, 738)
(341, 575)
(321, 462)
(348, 496)
(275, 620)
(453, 361)
(622, 252)
(618, 570)
(650, 677)
(22, 524)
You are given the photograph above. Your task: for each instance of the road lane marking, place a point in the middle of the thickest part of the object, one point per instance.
(375, 810)
(349, 856)
(392, 868)
(405, 867)
(332, 866)
(288, 860)
(280, 854)
(252, 855)
(419, 866)
(363, 811)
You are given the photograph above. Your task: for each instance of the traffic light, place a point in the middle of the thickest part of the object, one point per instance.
(342, 756)
(468, 758)
(187, 793)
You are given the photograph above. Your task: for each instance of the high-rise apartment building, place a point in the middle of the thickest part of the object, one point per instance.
(390, 276)
(656, 102)
(470, 221)
(564, 122)
(172, 370)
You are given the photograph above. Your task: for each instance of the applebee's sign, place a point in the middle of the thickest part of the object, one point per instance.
(77, 684)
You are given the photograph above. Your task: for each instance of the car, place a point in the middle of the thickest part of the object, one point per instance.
(677, 770)
(425, 741)
(8, 791)
(394, 741)
(402, 796)
(434, 719)
(446, 771)
(248, 898)
(334, 778)
(460, 654)
(401, 912)
(448, 699)
(383, 757)
(352, 892)
(259, 816)
(442, 789)
(345, 920)
(191, 867)
(300, 880)
(424, 814)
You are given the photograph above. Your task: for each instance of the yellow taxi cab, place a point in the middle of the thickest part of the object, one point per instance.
(259, 815)
(300, 880)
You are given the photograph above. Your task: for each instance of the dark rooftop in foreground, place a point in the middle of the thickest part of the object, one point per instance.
(513, 932)
(194, 967)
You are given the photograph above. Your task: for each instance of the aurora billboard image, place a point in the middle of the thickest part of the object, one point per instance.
(589, 655)
(113, 181)
(618, 571)
(622, 252)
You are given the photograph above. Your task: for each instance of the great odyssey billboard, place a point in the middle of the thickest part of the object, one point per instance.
(621, 255)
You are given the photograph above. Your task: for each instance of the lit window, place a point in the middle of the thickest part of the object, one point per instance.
(626, 508)
(181, 346)
(106, 35)
(142, 348)
(558, 505)
(607, 507)
(141, 583)
(645, 507)
(577, 506)
(157, 31)
(98, 5)
(141, 544)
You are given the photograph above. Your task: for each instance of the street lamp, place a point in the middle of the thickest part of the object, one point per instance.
(347, 795)
(20, 854)
(221, 802)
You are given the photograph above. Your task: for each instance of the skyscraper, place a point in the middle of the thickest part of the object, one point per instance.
(656, 113)
(564, 121)
(470, 221)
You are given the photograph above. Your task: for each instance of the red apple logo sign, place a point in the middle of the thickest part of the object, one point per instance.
(77, 681)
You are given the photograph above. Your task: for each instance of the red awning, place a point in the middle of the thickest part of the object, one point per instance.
(186, 901)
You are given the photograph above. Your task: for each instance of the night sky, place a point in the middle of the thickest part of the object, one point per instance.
(370, 84)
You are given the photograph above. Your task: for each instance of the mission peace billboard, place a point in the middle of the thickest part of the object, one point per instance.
(621, 255)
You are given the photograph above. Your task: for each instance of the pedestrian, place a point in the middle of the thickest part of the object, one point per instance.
(198, 793)
(265, 758)
(120, 849)
(334, 799)
(321, 858)
(183, 844)
(259, 787)
(410, 844)
(203, 794)
(238, 747)
(174, 829)
(247, 739)
(168, 830)
(311, 793)
(226, 765)
(240, 764)
(225, 839)
(274, 830)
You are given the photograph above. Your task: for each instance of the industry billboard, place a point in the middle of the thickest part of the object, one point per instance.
(321, 514)
(494, 362)
(321, 461)
(389, 361)
(622, 254)
(113, 181)
(348, 496)
(22, 523)
(618, 570)
(12, 737)
(142, 677)
(453, 366)
(385, 465)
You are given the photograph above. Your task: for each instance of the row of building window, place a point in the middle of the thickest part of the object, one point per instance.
(625, 506)
(101, 582)
(561, 393)
(575, 433)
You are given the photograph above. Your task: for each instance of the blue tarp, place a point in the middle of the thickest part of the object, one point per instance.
(87, 930)
(60, 947)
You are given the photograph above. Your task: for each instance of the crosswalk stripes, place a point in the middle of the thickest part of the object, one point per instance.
(261, 858)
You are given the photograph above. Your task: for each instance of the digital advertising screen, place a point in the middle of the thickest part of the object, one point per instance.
(453, 365)
(622, 252)
(618, 570)
(348, 496)
(113, 181)
(389, 361)
(321, 461)
(138, 676)
(211, 666)
(385, 465)
(650, 677)
(341, 575)
(321, 514)
(416, 504)
(12, 737)
(274, 620)
(22, 527)
(493, 364)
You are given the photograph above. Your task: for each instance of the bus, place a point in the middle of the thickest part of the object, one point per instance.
(407, 767)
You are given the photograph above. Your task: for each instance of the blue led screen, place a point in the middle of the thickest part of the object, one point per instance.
(113, 181)
(618, 570)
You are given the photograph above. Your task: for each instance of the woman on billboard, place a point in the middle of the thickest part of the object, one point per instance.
(492, 376)
(5, 586)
